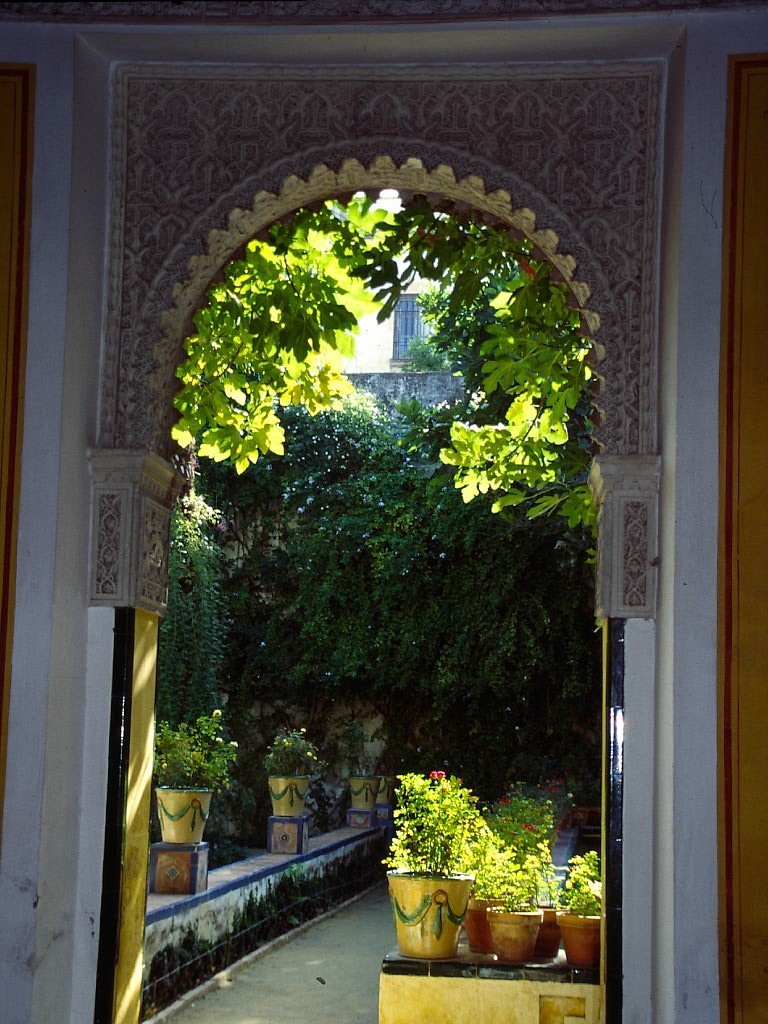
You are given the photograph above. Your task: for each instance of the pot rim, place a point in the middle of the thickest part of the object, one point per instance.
(516, 913)
(579, 917)
(185, 789)
(423, 875)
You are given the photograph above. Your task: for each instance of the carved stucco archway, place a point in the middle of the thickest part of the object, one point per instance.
(566, 155)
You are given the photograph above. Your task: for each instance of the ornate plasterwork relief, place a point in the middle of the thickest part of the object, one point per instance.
(204, 157)
(626, 488)
(323, 11)
(132, 498)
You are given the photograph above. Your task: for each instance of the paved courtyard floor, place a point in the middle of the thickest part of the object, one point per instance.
(327, 974)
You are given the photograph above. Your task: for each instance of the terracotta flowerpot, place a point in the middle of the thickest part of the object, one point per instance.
(183, 813)
(548, 939)
(386, 793)
(287, 793)
(581, 939)
(514, 934)
(363, 790)
(479, 938)
(429, 912)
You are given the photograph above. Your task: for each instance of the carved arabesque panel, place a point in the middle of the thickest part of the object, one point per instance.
(133, 495)
(323, 11)
(203, 157)
(575, 144)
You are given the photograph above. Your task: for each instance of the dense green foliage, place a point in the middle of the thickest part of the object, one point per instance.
(273, 329)
(363, 582)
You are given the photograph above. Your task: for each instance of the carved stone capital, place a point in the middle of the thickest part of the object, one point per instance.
(626, 488)
(132, 496)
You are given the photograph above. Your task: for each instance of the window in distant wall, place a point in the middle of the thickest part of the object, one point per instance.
(408, 325)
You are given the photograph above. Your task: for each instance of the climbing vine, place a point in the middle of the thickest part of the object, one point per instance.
(192, 632)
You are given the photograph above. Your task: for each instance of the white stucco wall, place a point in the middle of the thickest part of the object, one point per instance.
(61, 672)
(49, 886)
(28, 761)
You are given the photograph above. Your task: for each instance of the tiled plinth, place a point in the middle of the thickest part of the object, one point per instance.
(288, 835)
(178, 868)
(476, 989)
(384, 814)
(357, 818)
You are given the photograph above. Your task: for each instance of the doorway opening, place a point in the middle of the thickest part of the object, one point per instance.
(523, 426)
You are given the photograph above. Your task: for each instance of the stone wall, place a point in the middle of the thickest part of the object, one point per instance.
(430, 388)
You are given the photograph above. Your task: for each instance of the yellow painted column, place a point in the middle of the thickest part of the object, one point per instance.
(16, 130)
(743, 577)
(133, 888)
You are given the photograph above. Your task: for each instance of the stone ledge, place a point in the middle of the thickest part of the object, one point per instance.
(210, 913)
(482, 966)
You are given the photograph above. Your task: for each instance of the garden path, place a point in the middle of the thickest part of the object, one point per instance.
(327, 974)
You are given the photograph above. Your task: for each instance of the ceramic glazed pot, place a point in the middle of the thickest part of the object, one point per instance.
(514, 934)
(581, 939)
(287, 793)
(363, 790)
(429, 912)
(386, 793)
(548, 939)
(479, 938)
(183, 813)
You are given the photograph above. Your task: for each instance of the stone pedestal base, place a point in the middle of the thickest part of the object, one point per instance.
(288, 835)
(474, 988)
(178, 868)
(362, 818)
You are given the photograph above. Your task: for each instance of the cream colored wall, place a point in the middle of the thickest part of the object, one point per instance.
(373, 347)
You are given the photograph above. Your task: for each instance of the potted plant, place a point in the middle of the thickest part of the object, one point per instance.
(516, 918)
(436, 825)
(524, 820)
(290, 762)
(548, 939)
(191, 762)
(363, 781)
(491, 862)
(580, 919)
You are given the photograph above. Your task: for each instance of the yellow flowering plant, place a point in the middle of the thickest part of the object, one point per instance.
(291, 753)
(437, 823)
(583, 889)
(194, 755)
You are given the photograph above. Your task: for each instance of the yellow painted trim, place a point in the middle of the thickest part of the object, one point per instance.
(743, 553)
(133, 888)
(16, 131)
(604, 625)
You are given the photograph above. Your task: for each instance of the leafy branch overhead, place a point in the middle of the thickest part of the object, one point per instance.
(276, 328)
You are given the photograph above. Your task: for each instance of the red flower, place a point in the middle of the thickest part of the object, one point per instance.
(436, 776)
(504, 800)
(529, 826)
